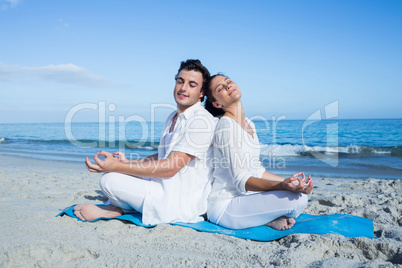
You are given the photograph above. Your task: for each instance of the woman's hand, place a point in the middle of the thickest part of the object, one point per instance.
(298, 185)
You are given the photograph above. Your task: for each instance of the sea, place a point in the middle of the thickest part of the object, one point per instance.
(344, 148)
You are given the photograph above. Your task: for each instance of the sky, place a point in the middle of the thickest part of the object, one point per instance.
(86, 60)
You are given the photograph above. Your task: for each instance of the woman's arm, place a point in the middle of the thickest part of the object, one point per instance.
(293, 183)
(272, 177)
(260, 184)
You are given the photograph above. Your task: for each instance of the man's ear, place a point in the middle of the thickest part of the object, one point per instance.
(202, 94)
(217, 105)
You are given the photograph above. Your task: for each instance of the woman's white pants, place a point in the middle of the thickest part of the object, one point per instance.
(258, 208)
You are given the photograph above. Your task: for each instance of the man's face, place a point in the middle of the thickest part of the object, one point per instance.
(187, 90)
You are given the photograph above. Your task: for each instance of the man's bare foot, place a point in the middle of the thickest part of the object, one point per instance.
(89, 212)
(282, 223)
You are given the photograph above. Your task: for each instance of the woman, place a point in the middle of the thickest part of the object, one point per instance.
(244, 195)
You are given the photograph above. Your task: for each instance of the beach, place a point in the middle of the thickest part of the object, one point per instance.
(311, 86)
(34, 191)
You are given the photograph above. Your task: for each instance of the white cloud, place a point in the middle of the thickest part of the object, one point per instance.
(62, 73)
(62, 25)
(5, 4)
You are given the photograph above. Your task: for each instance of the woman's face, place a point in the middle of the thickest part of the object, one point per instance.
(225, 91)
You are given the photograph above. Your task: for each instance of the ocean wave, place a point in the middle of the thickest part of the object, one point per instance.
(378, 166)
(131, 144)
(266, 149)
(304, 150)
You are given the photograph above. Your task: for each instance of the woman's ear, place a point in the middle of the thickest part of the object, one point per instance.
(217, 105)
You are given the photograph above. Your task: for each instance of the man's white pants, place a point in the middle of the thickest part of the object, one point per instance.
(125, 191)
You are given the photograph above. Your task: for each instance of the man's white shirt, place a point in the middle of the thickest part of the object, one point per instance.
(183, 197)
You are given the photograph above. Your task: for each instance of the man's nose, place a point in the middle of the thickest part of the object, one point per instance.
(183, 87)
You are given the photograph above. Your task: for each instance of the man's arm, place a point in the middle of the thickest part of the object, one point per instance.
(123, 158)
(148, 169)
(149, 158)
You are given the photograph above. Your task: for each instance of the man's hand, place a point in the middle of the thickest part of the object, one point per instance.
(121, 157)
(110, 163)
(299, 185)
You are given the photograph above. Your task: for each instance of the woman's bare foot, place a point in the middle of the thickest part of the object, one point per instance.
(282, 223)
(89, 212)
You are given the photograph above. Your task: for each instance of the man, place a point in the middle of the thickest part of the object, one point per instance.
(174, 184)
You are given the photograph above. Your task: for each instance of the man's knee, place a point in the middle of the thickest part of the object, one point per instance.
(105, 180)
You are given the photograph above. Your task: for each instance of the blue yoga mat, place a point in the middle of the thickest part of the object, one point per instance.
(346, 225)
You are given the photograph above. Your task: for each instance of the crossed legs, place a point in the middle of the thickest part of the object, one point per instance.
(126, 194)
(276, 209)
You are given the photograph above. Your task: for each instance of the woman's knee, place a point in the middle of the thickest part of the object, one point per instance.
(303, 200)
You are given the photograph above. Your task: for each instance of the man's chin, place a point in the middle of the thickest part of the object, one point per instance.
(183, 102)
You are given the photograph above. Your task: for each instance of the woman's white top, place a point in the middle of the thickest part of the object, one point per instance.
(236, 159)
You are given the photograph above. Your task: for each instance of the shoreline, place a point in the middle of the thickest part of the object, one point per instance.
(341, 173)
(34, 191)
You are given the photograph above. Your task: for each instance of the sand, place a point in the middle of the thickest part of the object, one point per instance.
(34, 191)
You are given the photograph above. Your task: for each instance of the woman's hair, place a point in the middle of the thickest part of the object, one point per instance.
(217, 112)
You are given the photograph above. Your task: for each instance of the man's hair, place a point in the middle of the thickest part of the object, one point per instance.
(196, 65)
